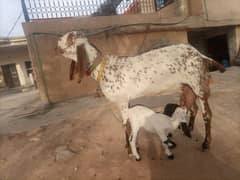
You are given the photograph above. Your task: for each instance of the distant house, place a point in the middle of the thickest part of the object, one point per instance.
(15, 65)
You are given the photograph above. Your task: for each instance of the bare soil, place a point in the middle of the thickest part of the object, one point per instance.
(84, 139)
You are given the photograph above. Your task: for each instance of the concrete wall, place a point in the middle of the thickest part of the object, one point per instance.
(196, 7)
(10, 55)
(56, 68)
(168, 11)
(223, 9)
(215, 9)
(53, 70)
(175, 9)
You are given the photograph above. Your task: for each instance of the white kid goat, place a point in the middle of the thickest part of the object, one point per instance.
(160, 124)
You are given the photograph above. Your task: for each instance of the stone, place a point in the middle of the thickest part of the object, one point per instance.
(34, 139)
(63, 153)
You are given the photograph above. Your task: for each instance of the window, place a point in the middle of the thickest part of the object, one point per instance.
(162, 3)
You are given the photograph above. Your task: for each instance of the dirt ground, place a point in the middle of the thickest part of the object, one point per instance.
(84, 139)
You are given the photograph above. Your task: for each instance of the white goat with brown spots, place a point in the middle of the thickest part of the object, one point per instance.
(156, 72)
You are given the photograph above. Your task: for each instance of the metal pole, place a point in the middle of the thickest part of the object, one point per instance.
(25, 13)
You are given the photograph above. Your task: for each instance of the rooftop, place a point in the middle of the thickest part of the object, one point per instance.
(13, 41)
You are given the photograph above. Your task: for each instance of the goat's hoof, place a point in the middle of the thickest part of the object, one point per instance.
(171, 144)
(205, 146)
(171, 157)
(138, 159)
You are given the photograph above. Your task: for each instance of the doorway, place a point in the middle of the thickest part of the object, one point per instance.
(218, 49)
(214, 43)
(10, 75)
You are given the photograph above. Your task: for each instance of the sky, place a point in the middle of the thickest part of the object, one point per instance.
(9, 12)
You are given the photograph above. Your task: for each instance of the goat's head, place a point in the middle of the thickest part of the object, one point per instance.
(181, 115)
(75, 46)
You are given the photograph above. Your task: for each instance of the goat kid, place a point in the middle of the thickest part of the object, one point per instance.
(170, 108)
(160, 124)
(188, 100)
(156, 72)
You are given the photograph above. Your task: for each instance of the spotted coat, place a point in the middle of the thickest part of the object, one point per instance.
(156, 72)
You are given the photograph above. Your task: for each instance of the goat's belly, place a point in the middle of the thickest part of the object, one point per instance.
(135, 92)
(132, 85)
(155, 87)
(133, 89)
(163, 89)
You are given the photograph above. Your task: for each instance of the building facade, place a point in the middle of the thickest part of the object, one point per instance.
(15, 64)
(211, 26)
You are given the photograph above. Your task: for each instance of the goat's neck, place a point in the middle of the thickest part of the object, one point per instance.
(94, 57)
(92, 52)
(96, 67)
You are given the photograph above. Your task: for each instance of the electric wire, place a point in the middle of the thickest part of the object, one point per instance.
(14, 25)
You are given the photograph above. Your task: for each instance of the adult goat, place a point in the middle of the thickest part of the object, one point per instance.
(156, 72)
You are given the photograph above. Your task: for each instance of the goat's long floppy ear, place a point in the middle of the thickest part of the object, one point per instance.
(82, 62)
(72, 70)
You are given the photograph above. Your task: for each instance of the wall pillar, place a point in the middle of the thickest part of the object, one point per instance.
(22, 74)
(234, 44)
(237, 45)
(183, 8)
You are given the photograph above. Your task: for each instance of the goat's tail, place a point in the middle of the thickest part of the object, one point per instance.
(214, 63)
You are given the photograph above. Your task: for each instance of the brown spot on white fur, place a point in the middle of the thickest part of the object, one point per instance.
(188, 100)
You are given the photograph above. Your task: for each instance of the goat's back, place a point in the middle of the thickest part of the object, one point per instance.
(160, 71)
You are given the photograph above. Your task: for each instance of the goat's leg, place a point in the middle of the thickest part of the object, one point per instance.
(132, 140)
(207, 116)
(165, 143)
(123, 107)
(167, 151)
(128, 132)
(171, 144)
(193, 116)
